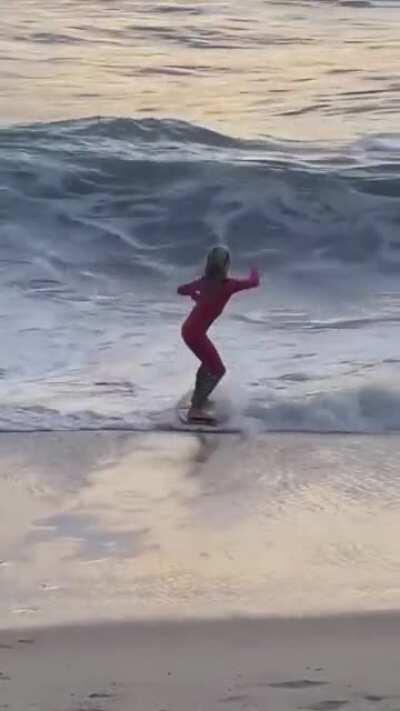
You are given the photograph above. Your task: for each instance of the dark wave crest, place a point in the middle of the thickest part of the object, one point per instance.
(142, 197)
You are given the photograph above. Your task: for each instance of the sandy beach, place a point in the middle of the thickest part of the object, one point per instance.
(132, 566)
(319, 664)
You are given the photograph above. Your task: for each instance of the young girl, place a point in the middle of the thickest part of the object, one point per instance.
(211, 293)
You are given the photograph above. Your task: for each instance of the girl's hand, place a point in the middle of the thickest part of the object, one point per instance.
(255, 275)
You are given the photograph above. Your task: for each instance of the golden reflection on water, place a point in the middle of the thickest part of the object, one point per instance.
(146, 527)
(318, 73)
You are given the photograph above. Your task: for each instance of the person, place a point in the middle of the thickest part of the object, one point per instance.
(211, 293)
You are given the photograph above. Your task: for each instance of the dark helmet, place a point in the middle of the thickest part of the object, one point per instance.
(218, 261)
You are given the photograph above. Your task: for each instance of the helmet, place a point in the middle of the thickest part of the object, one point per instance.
(217, 265)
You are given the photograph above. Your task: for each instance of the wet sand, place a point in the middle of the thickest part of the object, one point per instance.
(112, 526)
(108, 539)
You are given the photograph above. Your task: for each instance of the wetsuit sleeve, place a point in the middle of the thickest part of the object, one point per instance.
(241, 284)
(192, 289)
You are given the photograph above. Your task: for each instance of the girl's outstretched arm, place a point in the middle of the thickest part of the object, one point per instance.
(251, 282)
(192, 289)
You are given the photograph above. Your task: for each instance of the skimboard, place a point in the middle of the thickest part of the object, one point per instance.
(217, 421)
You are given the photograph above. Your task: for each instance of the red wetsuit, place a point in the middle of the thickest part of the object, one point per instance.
(211, 298)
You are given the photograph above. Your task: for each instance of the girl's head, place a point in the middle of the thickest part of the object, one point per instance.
(218, 263)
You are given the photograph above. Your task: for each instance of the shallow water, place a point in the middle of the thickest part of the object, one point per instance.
(117, 526)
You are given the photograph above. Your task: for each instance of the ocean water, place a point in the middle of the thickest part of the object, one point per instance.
(134, 136)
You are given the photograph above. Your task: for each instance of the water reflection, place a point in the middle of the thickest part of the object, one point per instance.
(295, 70)
(161, 525)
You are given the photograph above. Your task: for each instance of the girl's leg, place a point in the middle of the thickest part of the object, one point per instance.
(204, 387)
(199, 376)
(210, 372)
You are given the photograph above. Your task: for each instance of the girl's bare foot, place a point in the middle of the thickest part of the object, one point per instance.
(197, 413)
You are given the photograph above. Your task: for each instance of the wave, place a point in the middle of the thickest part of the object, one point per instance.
(366, 410)
(128, 197)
